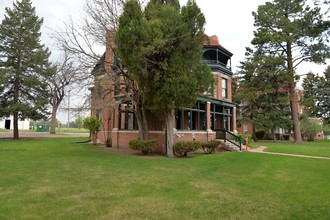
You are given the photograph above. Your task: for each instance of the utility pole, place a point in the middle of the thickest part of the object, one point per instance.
(69, 109)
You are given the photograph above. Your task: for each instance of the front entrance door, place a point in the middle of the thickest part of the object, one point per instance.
(7, 124)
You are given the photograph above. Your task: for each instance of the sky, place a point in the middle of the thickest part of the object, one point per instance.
(231, 21)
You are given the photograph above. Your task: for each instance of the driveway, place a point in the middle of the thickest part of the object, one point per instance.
(28, 134)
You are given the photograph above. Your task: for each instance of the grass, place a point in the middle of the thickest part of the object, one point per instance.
(313, 148)
(72, 130)
(62, 130)
(58, 130)
(58, 179)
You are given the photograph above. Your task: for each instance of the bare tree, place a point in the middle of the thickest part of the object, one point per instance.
(85, 43)
(63, 77)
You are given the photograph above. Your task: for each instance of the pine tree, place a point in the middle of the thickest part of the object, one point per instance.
(24, 65)
(317, 95)
(296, 32)
(324, 99)
(263, 92)
(310, 100)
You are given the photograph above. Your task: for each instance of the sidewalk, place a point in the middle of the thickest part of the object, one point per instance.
(29, 134)
(261, 151)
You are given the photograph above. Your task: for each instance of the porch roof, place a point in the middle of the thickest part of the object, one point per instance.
(217, 101)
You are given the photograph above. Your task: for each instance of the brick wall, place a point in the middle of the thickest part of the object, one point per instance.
(120, 139)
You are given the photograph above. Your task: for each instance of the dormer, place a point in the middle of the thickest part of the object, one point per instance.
(217, 57)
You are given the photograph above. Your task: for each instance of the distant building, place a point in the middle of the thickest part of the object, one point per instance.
(203, 122)
(8, 124)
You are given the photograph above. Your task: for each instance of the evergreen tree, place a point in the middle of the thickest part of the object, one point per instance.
(324, 91)
(24, 65)
(161, 48)
(317, 95)
(296, 32)
(263, 92)
(247, 93)
(310, 100)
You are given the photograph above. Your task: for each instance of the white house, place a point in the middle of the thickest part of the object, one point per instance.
(8, 123)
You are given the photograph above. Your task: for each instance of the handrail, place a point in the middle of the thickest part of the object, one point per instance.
(216, 62)
(224, 132)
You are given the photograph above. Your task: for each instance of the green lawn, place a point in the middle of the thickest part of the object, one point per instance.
(71, 130)
(313, 148)
(58, 130)
(58, 179)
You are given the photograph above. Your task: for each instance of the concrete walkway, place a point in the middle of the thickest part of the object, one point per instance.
(261, 150)
(28, 134)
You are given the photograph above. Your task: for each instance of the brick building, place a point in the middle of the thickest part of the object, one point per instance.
(205, 121)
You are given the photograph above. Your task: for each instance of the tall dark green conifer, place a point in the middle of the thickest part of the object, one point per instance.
(263, 92)
(317, 95)
(311, 84)
(161, 48)
(324, 89)
(24, 65)
(296, 32)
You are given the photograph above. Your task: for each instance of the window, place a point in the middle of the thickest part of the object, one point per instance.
(127, 119)
(245, 128)
(224, 83)
(193, 119)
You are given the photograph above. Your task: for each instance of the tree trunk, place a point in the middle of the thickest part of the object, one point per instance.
(94, 138)
(53, 119)
(293, 97)
(15, 113)
(169, 133)
(294, 114)
(254, 137)
(142, 123)
(16, 135)
(273, 134)
(141, 116)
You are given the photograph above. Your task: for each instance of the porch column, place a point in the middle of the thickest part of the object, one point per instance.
(115, 130)
(210, 133)
(115, 118)
(208, 116)
(234, 120)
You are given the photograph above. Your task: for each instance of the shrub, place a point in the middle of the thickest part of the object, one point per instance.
(260, 135)
(184, 147)
(93, 125)
(145, 146)
(240, 138)
(310, 128)
(210, 146)
(108, 143)
(286, 137)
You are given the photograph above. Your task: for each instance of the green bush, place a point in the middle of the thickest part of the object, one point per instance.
(210, 146)
(108, 143)
(145, 146)
(310, 128)
(240, 138)
(326, 129)
(286, 137)
(184, 147)
(260, 135)
(93, 125)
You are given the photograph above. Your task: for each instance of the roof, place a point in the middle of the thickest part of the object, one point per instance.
(99, 67)
(214, 41)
